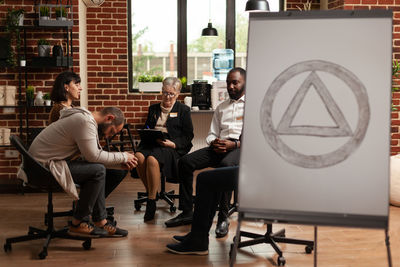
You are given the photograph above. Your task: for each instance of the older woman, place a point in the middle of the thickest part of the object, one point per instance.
(172, 117)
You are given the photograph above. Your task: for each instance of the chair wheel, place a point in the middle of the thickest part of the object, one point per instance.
(281, 261)
(43, 254)
(7, 247)
(172, 209)
(138, 206)
(309, 249)
(87, 244)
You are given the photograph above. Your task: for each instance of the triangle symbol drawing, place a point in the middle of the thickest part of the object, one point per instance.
(341, 128)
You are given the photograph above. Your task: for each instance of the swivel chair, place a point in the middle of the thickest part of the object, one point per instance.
(167, 196)
(40, 177)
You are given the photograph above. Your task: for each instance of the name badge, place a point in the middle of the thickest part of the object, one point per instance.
(173, 114)
(239, 118)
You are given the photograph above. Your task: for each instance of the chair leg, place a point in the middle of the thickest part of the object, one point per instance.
(273, 238)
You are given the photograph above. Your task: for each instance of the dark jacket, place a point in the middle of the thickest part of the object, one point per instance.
(180, 128)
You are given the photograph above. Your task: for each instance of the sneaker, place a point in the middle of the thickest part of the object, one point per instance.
(114, 231)
(86, 229)
(180, 238)
(191, 245)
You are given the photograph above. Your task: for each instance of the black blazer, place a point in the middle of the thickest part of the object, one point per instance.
(180, 128)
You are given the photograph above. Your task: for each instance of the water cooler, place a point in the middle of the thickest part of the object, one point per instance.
(222, 63)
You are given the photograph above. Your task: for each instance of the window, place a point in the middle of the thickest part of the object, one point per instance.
(200, 48)
(154, 38)
(156, 46)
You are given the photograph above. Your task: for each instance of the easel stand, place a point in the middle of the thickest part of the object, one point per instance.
(268, 238)
(387, 242)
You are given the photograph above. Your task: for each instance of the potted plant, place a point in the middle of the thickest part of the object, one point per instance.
(44, 48)
(46, 98)
(150, 83)
(30, 91)
(61, 13)
(14, 19)
(184, 83)
(44, 12)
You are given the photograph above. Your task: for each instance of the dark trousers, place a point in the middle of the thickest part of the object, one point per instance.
(113, 179)
(91, 178)
(210, 186)
(202, 158)
(96, 183)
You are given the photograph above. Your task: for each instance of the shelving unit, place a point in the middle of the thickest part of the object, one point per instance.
(46, 62)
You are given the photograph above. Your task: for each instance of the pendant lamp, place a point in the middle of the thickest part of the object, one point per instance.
(209, 31)
(257, 5)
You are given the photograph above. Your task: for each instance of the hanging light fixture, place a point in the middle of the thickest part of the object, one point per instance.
(257, 5)
(209, 31)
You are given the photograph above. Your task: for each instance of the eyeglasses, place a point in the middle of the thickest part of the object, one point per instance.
(168, 94)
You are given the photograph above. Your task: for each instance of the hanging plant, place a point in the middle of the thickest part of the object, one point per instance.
(13, 31)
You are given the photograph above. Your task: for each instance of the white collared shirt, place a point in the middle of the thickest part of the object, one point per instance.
(227, 121)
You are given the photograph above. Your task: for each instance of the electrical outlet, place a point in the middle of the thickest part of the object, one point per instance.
(11, 154)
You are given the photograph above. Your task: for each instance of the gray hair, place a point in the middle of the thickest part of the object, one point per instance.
(119, 116)
(174, 82)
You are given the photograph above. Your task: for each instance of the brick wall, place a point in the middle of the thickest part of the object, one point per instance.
(107, 36)
(41, 78)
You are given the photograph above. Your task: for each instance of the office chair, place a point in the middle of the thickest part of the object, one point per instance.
(125, 141)
(164, 195)
(40, 177)
(272, 238)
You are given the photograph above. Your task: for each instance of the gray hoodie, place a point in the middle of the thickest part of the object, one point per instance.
(75, 133)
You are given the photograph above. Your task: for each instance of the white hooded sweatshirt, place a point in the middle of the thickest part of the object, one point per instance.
(76, 132)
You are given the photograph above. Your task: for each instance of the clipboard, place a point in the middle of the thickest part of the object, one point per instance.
(151, 135)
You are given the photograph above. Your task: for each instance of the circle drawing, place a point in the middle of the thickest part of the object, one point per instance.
(272, 133)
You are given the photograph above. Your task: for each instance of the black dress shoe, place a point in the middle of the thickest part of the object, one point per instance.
(222, 228)
(150, 210)
(180, 238)
(182, 219)
(191, 245)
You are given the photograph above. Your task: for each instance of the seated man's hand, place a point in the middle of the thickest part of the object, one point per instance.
(131, 163)
(166, 143)
(222, 146)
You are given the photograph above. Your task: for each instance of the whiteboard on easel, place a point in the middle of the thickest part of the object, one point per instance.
(316, 137)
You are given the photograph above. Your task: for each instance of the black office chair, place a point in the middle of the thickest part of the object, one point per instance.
(40, 177)
(124, 143)
(167, 196)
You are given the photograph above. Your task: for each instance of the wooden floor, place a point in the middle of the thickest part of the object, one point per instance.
(145, 244)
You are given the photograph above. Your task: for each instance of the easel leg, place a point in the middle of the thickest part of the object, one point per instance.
(315, 246)
(389, 255)
(236, 242)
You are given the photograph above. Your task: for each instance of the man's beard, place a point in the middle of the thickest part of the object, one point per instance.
(102, 127)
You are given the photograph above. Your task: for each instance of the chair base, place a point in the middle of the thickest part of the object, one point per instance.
(272, 238)
(48, 235)
(166, 196)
